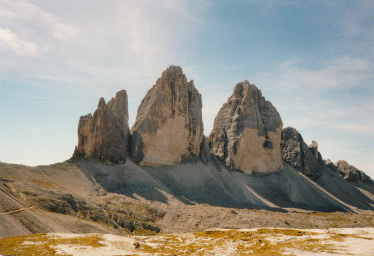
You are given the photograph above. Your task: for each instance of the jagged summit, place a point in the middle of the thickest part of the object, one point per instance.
(173, 71)
(102, 103)
(348, 172)
(105, 134)
(247, 131)
(168, 127)
(180, 178)
(247, 134)
(296, 153)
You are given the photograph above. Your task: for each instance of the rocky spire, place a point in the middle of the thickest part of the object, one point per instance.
(306, 159)
(105, 134)
(247, 131)
(168, 128)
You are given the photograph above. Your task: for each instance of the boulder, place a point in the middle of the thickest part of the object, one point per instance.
(247, 132)
(348, 172)
(104, 135)
(296, 153)
(168, 129)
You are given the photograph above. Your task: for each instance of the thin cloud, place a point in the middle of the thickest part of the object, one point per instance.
(341, 72)
(336, 96)
(37, 21)
(154, 30)
(10, 40)
(355, 19)
(131, 37)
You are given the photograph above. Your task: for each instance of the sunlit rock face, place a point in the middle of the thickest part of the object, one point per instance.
(306, 159)
(247, 132)
(104, 135)
(169, 127)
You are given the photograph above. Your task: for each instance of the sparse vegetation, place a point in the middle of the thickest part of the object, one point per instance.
(258, 242)
(262, 241)
(43, 183)
(43, 244)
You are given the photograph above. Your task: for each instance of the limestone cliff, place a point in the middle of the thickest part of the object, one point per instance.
(295, 152)
(169, 127)
(105, 134)
(247, 132)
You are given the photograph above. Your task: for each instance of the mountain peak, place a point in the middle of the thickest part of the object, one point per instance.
(247, 131)
(168, 128)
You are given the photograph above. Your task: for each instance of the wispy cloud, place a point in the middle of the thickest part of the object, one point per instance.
(355, 20)
(342, 72)
(130, 39)
(10, 40)
(30, 13)
(155, 30)
(337, 95)
(29, 30)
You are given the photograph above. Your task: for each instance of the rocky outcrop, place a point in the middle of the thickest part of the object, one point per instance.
(296, 153)
(105, 134)
(205, 154)
(348, 172)
(247, 132)
(314, 149)
(169, 127)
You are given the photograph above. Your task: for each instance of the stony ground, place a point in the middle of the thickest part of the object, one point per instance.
(85, 210)
(260, 241)
(198, 218)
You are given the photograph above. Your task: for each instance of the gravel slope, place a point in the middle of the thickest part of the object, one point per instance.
(88, 196)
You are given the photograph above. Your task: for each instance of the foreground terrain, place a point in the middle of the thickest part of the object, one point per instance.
(264, 241)
(85, 207)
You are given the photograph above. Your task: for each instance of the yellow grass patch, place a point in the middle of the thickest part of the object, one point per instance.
(263, 241)
(43, 183)
(256, 242)
(42, 244)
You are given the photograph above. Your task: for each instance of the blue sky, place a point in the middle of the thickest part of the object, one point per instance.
(314, 60)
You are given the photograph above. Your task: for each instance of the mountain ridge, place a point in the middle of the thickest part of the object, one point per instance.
(163, 171)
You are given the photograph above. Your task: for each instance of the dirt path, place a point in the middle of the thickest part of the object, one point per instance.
(20, 210)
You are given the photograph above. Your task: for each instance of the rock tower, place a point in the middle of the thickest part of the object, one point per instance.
(104, 135)
(168, 128)
(247, 131)
(306, 159)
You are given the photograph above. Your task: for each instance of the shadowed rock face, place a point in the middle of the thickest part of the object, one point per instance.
(169, 127)
(348, 172)
(314, 149)
(105, 134)
(247, 131)
(295, 152)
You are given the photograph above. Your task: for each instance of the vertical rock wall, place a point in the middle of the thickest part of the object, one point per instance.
(247, 132)
(306, 159)
(105, 134)
(169, 127)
